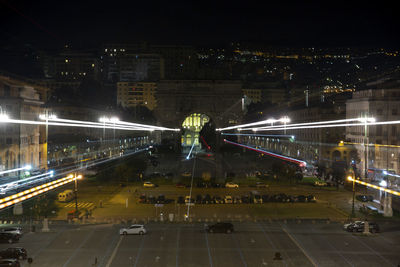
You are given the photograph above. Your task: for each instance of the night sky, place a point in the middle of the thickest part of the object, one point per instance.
(284, 23)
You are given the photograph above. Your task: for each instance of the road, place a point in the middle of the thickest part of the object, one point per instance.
(252, 244)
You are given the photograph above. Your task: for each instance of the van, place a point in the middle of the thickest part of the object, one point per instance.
(66, 196)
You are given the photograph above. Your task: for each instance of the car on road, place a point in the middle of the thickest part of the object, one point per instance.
(134, 229)
(8, 238)
(149, 184)
(261, 185)
(358, 226)
(231, 185)
(364, 198)
(186, 174)
(180, 185)
(9, 263)
(161, 199)
(320, 183)
(228, 200)
(221, 227)
(14, 253)
(12, 230)
(207, 199)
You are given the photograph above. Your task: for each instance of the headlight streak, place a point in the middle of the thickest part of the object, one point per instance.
(374, 186)
(29, 193)
(14, 199)
(323, 126)
(299, 162)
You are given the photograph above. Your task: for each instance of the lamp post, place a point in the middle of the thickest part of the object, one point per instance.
(76, 194)
(351, 178)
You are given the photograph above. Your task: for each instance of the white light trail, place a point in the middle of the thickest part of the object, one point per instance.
(83, 124)
(190, 152)
(17, 183)
(284, 119)
(302, 124)
(326, 126)
(28, 167)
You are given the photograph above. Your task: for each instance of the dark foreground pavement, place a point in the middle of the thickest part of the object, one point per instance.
(252, 244)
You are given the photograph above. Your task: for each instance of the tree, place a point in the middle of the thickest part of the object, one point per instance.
(44, 206)
(209, 136)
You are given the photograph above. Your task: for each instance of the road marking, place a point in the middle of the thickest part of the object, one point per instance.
(239, 250)
(78, 248)
(114, 252)
(139, 251)
(373, 250)
(208, 249)
(300, 247)
(178, 235)
(273, 245)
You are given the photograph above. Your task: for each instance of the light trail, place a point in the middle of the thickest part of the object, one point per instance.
(28, 167)
(253, 124)
(18, 183)
(374, 186)
(14, 199)
(299, 162)
(325, 126)
(33, 189)
(190, 152)
(112, 123)
(88, 124)
(264, 135)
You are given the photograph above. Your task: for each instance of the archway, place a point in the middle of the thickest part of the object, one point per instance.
(192, 126)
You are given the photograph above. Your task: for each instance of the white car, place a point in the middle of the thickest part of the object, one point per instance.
(231, 185)
(134, 229)
(12, 230)
(228, 200)
(148, 184)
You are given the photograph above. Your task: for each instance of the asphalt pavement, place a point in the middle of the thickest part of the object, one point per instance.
(252, 244)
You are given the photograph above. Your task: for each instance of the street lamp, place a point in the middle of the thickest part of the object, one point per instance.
(351, 178)
(76, 193)
(285, 120)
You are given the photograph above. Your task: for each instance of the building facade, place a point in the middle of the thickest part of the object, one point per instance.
(21, 144)
(132, 94)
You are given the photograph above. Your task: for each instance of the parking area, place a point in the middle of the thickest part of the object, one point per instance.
(251, 244)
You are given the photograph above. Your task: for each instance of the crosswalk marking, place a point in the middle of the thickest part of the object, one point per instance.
(80, 205)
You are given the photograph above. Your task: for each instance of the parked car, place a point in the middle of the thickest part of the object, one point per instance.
(12, 230)
(231, 185)
(228, 200)
(311, 198)
(207, 199)
(320, 183)
(364, 198)
(199, 199)
(188, 199)
(181, 200)
(14, 253)
(133, 229)
(142, 198)
(180, 185)
(358, 226)
(245, 199)
(151, 200)
(218, 200)
(237, 200)
(221, 227)
(148, 184)
(8, 238)
(160, 199)
(9, 263)
(261, 185)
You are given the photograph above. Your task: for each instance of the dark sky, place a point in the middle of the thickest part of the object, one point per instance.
(286, 23)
